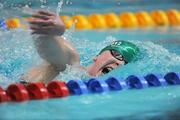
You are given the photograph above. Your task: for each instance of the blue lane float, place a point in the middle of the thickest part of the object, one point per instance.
(97, 86)
(115, 84)
(136, 82)
(94, 85)
(3, 25)
(77, 87)
(172, 78)
(155, 80)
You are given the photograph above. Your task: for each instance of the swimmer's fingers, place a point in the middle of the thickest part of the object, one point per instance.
(40, 16)
(46, 13)
(34, 27)
(40, 22)
(44, 22)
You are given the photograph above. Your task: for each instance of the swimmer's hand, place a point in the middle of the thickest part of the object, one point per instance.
(46, 23)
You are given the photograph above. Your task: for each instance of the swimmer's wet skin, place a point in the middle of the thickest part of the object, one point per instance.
(58, 52)
(122, 51)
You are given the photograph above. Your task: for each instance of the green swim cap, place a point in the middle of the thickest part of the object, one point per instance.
(126, 49)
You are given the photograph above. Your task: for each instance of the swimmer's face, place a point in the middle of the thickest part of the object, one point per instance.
(106, 62)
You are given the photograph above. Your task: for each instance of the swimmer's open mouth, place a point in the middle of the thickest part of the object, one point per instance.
(106, 70)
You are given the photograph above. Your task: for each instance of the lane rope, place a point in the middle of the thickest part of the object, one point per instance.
(141, 19)
(18, 92)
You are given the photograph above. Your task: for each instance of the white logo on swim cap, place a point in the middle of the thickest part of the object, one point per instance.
(116, 43)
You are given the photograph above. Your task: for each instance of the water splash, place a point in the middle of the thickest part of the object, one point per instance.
(28, 11)
(154, 58)
(73, 73)
(17, 55)
(1, 5)
(58, 9)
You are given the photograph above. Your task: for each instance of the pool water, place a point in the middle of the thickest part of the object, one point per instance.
(144, 104)
(160, 53)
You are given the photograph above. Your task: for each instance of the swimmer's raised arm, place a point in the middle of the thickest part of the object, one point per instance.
(51, 46)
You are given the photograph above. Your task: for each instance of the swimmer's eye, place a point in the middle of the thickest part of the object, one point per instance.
(118, 56)
(107, 70)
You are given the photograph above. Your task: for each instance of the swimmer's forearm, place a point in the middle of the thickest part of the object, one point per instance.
(49, 48)
(56, 50)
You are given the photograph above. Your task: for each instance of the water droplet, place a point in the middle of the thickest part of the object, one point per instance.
(1, 5)
(60, 3)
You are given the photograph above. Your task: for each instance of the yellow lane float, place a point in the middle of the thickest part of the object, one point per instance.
(170, 17)
(97, 21)
(174, 17)
(13, 23)
(67, 21)
(81, 22)
(160, 18)
(128, 20)
(144, 19)
(112, 20)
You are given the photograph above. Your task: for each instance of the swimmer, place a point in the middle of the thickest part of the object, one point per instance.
(58, 52)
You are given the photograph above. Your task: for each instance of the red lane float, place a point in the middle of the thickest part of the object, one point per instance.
(58, 89)
(17, 92)
(37, 91)
(3, 96)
